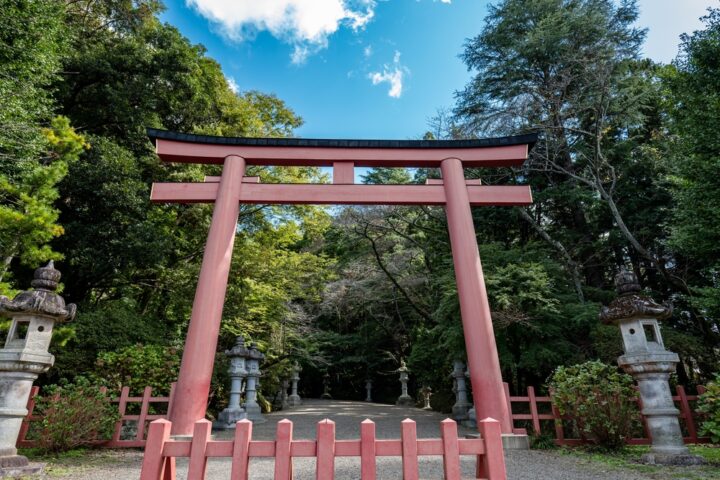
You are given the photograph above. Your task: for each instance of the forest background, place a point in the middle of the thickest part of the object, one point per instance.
(625, 174)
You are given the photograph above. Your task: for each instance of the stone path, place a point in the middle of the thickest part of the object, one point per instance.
(528, 465)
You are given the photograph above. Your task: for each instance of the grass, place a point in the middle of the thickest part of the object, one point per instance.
(66, 464)
(629, 459)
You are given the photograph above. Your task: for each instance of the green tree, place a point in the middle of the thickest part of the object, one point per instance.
(694, 96)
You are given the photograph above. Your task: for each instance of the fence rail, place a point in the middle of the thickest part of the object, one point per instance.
(161, 451)
(140, 419)
(534, 404)
(537, 411)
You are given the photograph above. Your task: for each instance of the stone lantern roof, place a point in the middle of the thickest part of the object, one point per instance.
(630, 303)
(238, 350)
(42, 300)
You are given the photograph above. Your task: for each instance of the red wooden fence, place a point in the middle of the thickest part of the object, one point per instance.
(682, 400)
(142, 418)
(161, 451)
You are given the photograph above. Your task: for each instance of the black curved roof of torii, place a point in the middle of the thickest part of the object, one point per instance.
(527, 139)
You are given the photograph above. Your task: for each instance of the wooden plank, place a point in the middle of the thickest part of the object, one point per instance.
(219, 448)
(325, 465)
(493, 460)
(451, 451)
(559, 431)
(429, 446)
(388, 448)
(368, 467)
(122, 406)
(491, 156)
(534, 410)
(283, 440)
(347, 448)
(303, 448)
(262, 448)
(198, 461)
(471, 446)
(408, 436)
(25, 426)
(687, 414)
(144, 406)
(343, 173)
(245, 179)
(241, 450)
(506, 388)
(326, 194)
(153, 460)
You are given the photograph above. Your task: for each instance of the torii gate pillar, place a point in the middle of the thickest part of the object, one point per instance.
(191, 392)
(488, 392)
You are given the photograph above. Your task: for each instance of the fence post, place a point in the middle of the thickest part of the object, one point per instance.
(325, 466)
(25, 426)
(506, 388)
(493, 465)
(687, 413)
(408, 435)
(241, 450)
(451, 449)
(122, 406)
(198, 460)
(534, 410)
(283, 439)
(144, 407)
(171, 396)
(153, 465)
(559, 430)
(368, 469)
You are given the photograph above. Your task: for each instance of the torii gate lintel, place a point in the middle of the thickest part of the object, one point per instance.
(232, 188)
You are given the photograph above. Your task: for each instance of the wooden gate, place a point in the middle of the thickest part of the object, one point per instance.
(161, 451)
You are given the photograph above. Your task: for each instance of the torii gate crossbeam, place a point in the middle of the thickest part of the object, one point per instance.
(233, 188)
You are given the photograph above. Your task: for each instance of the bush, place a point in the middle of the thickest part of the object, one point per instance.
(139, 366)
(709, 406)
(74, 415)
(599, 399)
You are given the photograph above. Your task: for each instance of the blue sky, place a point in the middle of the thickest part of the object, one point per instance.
(368, 68)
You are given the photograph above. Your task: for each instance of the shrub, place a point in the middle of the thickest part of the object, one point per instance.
(138, 366)
(709, 406)
(599, 399)
(74, 415)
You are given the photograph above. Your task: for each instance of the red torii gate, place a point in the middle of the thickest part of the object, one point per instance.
(233, 188)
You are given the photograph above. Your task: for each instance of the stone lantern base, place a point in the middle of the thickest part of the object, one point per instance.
(405, 401)
(18, 466)
(683, 459)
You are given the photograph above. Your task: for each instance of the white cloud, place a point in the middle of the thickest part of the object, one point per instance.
(445, 1)
(391, 74)
(306, 24)
(368, 51)
(233, 85)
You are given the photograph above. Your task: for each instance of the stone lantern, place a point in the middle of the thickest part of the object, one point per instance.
(426, 393)
(33, 315)
(294, 399)
(461, 406)
(252, 409)
(368, 390)
(650, 364)
(237, 371)
(404, 399)
(326, 387)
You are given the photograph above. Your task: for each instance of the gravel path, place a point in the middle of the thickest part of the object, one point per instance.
(526, 465)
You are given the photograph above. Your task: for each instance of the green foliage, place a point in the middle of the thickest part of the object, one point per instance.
(139, 366)
(28, 216)
(709, 406)
(599, 399)
(74, 415)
